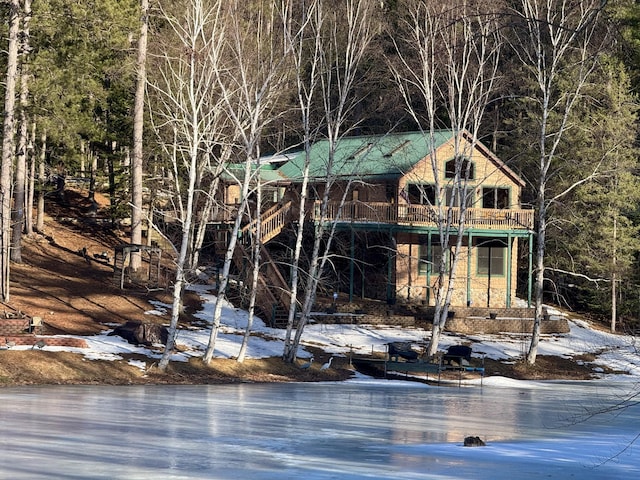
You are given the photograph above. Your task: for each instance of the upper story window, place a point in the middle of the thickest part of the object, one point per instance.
(421, 193)
(450, 168)
(495, 197)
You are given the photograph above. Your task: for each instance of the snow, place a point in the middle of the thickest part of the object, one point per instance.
(617, 352)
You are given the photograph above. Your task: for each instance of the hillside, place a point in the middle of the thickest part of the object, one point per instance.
(75, 294)
(71, 292)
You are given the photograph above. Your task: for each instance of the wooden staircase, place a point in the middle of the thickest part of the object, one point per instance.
(272, 222)
(273, 296)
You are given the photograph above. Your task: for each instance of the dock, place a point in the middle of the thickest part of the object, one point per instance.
(387, 366)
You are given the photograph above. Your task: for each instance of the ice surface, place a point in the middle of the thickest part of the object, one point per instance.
(361, 429)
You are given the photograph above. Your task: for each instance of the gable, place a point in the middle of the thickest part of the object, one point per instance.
(487, 168)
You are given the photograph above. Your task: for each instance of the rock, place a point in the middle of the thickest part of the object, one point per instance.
(139, 333)
(474, 442)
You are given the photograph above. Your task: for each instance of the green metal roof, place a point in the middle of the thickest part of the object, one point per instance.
(268, 172)
(390, 156)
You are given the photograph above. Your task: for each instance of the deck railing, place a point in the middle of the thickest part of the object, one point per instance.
(405, 214)
(383, 212)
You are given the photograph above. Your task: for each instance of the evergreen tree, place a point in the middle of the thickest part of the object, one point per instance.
(594, 239)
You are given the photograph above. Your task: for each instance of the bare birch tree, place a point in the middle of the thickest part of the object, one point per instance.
(345, 33)
(186, 94)
(306, 53)
(250, 85)
(448, 64)
(554, 40)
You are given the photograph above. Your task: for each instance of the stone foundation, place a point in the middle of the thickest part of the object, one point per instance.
(31, 340)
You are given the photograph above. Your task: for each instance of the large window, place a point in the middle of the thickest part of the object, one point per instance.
(421, 193)
(493, 197)
(450, 169)
(430, 258)
(491, 260)
(425, 194)
(453, 197)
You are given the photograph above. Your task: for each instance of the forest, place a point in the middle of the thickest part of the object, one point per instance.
(155, 101)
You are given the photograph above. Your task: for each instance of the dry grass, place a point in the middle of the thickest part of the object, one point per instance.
(35, 367)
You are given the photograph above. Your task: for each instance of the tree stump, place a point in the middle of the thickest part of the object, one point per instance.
(139, 333)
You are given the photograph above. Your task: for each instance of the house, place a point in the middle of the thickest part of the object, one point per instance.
(382, 201)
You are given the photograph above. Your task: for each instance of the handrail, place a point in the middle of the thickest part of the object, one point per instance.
(383, 212)
(272, 222)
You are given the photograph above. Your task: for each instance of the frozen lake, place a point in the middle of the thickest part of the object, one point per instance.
(353, 430)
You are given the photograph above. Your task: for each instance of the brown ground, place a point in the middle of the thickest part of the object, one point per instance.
(76, 295)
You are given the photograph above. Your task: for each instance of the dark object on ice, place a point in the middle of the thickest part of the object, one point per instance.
(457, 353)
(474, 442)
(402, 349)
(139, 333)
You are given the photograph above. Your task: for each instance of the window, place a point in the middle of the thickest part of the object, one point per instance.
(453, 198)
(450, 169)
(491, 260)
(421, 194)
(495, 197)
(429, 260)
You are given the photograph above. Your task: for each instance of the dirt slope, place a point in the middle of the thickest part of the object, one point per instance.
(74, 293)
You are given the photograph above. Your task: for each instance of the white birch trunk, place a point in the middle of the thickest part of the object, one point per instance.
(336, 90)
(255, 271)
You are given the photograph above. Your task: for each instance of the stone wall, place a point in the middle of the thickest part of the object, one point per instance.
(13, 326)
(56, 341)
(466, 320)
(472, 325)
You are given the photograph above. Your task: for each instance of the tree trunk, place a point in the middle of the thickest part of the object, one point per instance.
(255, 271)
(138, 127)
(8, 146)
(19, 194)
(614, 277)
(31, 184)
(41, 182)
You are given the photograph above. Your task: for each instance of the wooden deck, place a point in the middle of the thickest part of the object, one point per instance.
(387, 367)
(278, 216)
(404, 214)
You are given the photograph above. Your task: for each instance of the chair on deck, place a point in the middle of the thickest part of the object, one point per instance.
(403, 350)
(458, 354)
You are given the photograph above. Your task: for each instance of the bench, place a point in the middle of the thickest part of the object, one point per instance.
(457, 353)
(403, 350)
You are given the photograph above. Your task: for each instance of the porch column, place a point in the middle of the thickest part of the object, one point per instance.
(529, 275)
(509, 253)
(389, 266)
(469, 249)
(351, 266)
(429, 265)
